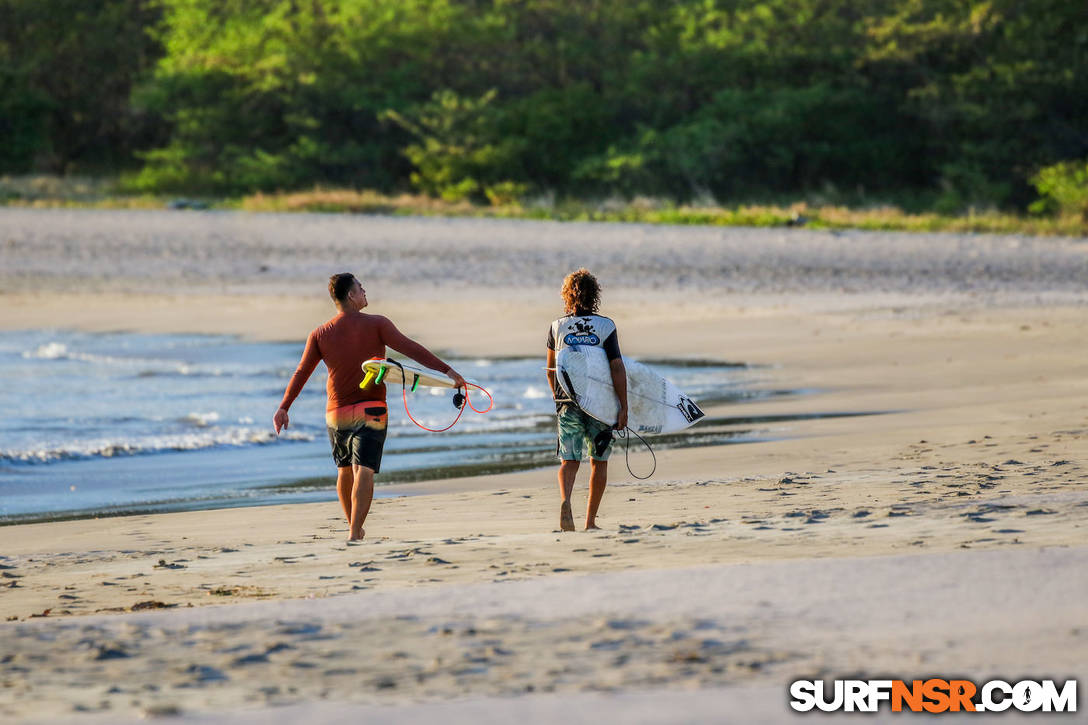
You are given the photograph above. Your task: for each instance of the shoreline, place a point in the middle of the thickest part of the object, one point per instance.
(245, 474)
(420, 482)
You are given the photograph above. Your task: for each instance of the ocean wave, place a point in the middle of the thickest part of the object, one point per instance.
(49, 351)
(112, 448)
(144, 367)
(201, 420)
(60, 351)
(535, 393)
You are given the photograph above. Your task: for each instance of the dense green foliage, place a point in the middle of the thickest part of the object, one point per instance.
(66, 73)
(955, 103)
(1063, 188)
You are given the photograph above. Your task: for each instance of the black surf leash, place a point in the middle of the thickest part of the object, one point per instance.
(623, 434)
(603, 438)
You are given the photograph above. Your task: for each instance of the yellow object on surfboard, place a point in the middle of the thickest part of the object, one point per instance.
(382, 370)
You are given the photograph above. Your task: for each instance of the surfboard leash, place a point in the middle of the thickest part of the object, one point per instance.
(619, 434)
(465, 400)
(627, 452)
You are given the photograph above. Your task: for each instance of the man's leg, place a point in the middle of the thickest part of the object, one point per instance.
(362, 493)
(598, 477)
(345, 480)
(567, 471)
(570, 451)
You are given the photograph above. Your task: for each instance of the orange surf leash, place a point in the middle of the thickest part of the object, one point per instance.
(464, 401)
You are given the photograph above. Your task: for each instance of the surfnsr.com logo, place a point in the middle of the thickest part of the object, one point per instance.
(933, 695)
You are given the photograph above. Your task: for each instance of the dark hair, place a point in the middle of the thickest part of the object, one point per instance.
(340, 285)
(581, 293)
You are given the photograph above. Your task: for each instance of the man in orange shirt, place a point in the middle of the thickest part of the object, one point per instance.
(356, 417)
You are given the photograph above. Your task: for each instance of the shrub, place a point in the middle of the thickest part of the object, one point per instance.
(1063, 188)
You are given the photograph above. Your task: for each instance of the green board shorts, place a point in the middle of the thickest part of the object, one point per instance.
(577, 432)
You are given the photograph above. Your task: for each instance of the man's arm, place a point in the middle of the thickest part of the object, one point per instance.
(551, 370)
(619, 376)
(311, 356)
(405, 345)
(619, 382)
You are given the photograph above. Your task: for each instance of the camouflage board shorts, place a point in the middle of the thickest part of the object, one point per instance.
(578, 433)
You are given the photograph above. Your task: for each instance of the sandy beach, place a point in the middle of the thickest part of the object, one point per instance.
(921, 511)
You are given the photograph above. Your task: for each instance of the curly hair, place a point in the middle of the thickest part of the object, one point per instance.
(581, 293)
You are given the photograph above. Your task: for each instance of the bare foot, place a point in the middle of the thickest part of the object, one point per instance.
(353, 539)
(566, 519)
(592, 527)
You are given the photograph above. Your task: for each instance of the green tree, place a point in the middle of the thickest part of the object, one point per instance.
(457, 153)
(1063, 188)
(999, 87)
(67, 70)
(737, 98)
(278, 94)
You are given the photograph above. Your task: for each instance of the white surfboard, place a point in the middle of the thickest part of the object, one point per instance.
(654, 403)
(381, 370)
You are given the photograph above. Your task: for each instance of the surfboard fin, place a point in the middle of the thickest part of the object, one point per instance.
(366, 380)
(381, 375)
(415, 382)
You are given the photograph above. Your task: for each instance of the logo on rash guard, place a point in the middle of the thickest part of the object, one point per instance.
(583, 334)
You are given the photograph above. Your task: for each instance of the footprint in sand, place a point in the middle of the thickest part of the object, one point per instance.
(365, 566)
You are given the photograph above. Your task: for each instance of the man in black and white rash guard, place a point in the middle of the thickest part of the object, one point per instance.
(580, 433)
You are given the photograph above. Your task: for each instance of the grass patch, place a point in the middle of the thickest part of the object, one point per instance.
(86, 192)
(350, 201)
(61, 192)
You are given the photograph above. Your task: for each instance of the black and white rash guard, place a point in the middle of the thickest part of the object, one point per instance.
(591, 330)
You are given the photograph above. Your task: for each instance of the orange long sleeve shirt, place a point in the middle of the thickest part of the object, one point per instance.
(344, 343)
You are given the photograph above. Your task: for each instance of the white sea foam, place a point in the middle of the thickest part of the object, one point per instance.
(60, 351)
(147, 367)
(49, 351)
(110, 448)
(202, 420)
